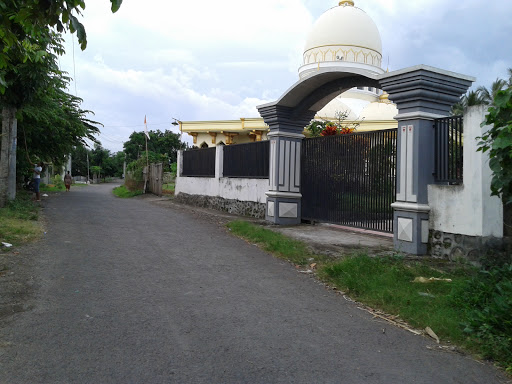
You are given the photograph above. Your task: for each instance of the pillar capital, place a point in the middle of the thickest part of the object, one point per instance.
(425, 89)
(285, 119)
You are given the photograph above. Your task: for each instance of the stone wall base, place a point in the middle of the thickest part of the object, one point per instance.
(477, 250)
(235, 207)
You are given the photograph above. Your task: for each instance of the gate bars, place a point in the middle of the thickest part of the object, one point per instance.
(350, 179)
(448, 149)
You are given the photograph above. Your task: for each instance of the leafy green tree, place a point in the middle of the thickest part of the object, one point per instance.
(469, 99)
(29, 47)
(488, 95)
(113, 165)
(25, 22)
(25, 77)
(79, 162)
(134, 146)
(96, 170)
(498, 141)
(99, 155)
(163, 143)
(53, 124)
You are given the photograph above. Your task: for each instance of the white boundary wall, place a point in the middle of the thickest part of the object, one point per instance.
(468, 209)
(228, 188)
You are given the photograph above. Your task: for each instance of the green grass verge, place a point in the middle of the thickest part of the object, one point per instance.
(18, 220)
(123, 192)
(289, 249)
(52, 187)
(473, 310)
(168, 188)
(388, 284)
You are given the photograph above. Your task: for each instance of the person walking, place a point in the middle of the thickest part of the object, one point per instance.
(67, 181)
(38, 169)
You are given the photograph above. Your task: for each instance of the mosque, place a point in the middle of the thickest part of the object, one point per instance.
(343, 36)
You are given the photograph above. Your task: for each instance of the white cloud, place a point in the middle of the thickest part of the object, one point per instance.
(207, 60)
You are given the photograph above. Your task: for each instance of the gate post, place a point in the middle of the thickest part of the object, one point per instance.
(286, 134)
(422, 94)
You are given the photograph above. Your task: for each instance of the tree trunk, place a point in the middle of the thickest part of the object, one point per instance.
(8, 156)
(11, 184)
(507, 220)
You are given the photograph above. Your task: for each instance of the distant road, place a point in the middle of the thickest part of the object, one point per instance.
(130, 292)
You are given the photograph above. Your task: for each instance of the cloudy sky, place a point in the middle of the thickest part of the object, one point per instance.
(208, 60)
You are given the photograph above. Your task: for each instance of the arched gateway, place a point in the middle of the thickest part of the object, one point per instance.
(342, 52)
(421, 93)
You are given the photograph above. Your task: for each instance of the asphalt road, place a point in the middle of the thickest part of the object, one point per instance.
(127, 291)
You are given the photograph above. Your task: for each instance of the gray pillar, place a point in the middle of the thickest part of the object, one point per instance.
(286, 134)
(422, 94)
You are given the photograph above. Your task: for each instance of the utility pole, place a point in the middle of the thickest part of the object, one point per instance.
(87, 153)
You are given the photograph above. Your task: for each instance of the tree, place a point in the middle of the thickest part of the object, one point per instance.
(162, 143)
(469, 99)
(498, 141)
(50, 127)
(26, 20)
(25, 77)
(114, 164)
(482, 95)
(79, 163)
(28, 64)
(111, 165)
(488, 95)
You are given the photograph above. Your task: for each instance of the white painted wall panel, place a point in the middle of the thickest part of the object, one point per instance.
(468, 209)
(227, 188)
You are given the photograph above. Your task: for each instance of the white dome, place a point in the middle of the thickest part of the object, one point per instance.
(336, 105)
(345, 34)
(379, 110)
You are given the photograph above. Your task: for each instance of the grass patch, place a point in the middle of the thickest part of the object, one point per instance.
(387, 284)
(289, 249)
(58, 187)
(123, 192)
(18, 220)
(473, 310)
(168, 188)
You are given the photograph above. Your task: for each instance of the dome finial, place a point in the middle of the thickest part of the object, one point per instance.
(347, 2)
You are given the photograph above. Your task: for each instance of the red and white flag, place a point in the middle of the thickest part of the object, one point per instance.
(146, 127)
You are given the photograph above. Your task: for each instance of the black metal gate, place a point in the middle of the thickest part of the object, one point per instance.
(350, 179)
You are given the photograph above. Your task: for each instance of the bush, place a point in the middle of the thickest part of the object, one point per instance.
(487, 301)
(123, 192)
(57, 181)
(174, 169)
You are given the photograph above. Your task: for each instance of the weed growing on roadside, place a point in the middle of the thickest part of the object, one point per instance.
(388, 284)
(487, 302)
(18, 220)
(289, 249)
(22, 207)
(123, 192)
(168, 188)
